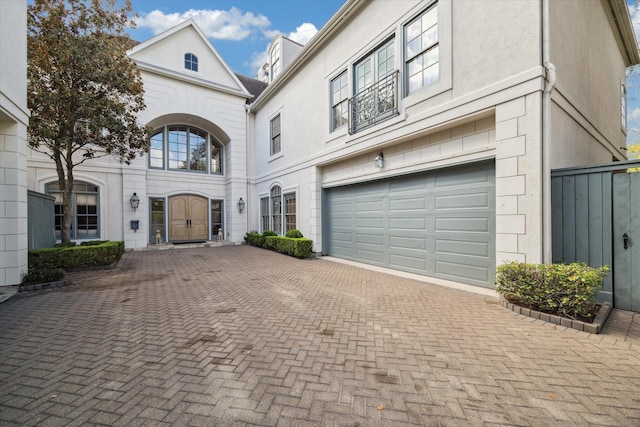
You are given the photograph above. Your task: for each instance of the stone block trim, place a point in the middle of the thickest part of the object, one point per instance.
(592, 328)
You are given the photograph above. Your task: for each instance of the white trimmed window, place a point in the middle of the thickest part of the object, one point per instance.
(278, 212)
(339, 101)
(85, 222)
(422, 50)
(190, 62)
(185, 148)
(275, 130)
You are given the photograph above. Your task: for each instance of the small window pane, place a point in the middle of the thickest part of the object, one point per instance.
(275, 135)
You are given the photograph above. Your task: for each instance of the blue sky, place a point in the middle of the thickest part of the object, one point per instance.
(240, 30)
(633, 83)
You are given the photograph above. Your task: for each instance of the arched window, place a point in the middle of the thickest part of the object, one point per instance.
(190, 62)
(276, 209)
(185, 148)
(275, 61)
(271, 211)
(85, 223)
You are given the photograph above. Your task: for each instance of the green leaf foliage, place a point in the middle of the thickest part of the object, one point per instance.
(569, 290)
(298, 247)
(84, 93)
(76, 257)
(295, 234)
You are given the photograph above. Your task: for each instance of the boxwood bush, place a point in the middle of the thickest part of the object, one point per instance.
(298, 247)
(568, 290)
(87, 255)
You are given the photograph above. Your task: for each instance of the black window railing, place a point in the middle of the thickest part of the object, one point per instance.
(374, 104)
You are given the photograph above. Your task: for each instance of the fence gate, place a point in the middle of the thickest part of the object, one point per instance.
(626, 241)
(596, 219)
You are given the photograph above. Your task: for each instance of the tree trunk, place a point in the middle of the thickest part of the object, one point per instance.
(67, 214)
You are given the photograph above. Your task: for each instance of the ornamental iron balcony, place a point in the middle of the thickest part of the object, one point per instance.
(374, 104)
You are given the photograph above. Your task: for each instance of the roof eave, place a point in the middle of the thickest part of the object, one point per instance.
(620, 20)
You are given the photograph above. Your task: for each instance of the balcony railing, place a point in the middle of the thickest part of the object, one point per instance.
(374, 104)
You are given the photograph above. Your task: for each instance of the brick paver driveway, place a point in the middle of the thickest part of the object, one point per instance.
(242, 336)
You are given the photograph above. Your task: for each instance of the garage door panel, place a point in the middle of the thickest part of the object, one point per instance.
(456, 271)
(415, 263)
(370, 239)
(407, 223)
(473, 176)
(396, 242)
(459, 247)
(440, 223)
(463, 225)
(369, 206)
(371, 256)
(407, 204)
(409, 185)
(462, 201)
(369, 223)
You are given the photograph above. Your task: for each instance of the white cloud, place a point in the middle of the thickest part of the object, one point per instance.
(303, 33)
(232, 24)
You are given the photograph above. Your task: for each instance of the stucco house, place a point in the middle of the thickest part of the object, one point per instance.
(425, 142)
(14, 118)
(417, 136)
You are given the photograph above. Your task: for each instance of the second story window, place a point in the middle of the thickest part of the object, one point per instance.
(376, 89)
(339, 101)
(275, 135)
(422, 50)
(275, 61)
(190, 62)
(185, 148)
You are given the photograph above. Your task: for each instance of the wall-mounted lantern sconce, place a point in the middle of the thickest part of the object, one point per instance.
(380, 161)
(135, 201)
(241, 205)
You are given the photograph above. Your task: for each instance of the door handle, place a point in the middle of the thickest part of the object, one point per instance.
(625, 240)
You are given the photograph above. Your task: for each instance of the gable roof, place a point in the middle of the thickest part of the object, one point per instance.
(151, 56)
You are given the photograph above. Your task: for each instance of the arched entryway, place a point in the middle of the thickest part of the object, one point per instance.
(188, 218)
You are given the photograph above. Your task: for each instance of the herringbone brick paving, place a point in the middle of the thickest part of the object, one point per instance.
(243, 336)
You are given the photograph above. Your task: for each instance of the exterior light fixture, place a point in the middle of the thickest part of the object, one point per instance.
(135, 201)
(241, 205)
(380, 161)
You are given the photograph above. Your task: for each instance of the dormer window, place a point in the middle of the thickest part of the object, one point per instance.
(190, 62)
(275, 61)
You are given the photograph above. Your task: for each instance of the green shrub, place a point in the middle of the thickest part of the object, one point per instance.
(569, 290)
(297, 247)
(254, 238)
(268, 233)
(66, 245)
(42, 275)
(294, 234)
(93, 242)
(100, 254)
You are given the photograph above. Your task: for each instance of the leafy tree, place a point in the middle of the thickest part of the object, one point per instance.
(84, 93)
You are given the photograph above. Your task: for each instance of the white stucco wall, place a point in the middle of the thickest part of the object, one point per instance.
(449, 123)
(586, 118)
(14, 119)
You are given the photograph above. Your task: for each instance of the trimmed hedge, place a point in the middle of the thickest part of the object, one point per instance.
(42, 275)
(87, 255)
(569, 290)
(298, 247)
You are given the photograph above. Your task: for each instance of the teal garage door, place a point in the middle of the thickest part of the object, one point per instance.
(439, 224)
